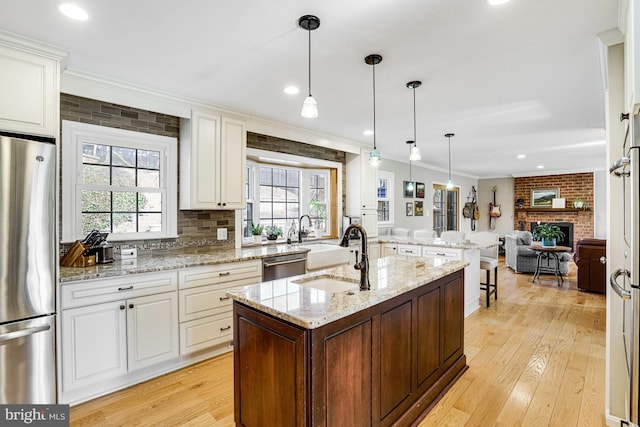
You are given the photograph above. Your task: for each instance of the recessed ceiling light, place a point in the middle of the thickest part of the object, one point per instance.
(291, 90)
(522, 156)
(540, 166)
(367, 132)
(73, 11)
(497, 2)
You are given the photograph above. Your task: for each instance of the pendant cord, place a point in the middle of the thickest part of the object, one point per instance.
(374, 105)
(309, 31)
(449, 158)
(414, 117)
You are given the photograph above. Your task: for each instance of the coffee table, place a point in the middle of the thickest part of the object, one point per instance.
(549, 254)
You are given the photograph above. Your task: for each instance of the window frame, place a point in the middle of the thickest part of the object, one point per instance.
(390, 177)
(74, 135)
(446, 208)
(257, 157)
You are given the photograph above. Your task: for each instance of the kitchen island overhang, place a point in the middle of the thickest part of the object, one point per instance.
(307, 356)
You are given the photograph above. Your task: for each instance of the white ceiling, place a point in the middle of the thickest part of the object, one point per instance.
(520, 78)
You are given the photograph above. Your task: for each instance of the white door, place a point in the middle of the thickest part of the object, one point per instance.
(94, 344)
(152, 329)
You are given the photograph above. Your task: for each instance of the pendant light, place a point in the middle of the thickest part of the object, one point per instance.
(415, 151)
(374, 155)
(410, 183)
(310, 106)
(450, 182)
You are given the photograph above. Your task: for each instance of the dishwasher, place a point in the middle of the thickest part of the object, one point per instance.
(282, 266)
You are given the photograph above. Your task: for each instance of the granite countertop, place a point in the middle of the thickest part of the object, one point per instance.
(311, 308)
(173, 261)
(433, 242)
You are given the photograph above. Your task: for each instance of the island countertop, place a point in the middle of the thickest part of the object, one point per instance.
(291, 300)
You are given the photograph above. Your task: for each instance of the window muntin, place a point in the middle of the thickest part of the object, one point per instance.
(118, 181)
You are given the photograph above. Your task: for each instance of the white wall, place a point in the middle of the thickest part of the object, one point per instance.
(504, 198)
(600, 204)
(428, 177)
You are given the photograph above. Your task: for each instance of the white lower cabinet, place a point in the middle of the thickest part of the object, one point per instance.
(112, 330)
(152, 329)
(388, 249)
(410, 250)
(205, 312)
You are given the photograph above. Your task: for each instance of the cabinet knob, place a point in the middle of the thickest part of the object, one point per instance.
(603, 260)
(224, 204)
(130, 305)
(122, 307)
(218, 204)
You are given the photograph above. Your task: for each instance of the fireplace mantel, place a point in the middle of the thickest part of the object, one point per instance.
(552, 210)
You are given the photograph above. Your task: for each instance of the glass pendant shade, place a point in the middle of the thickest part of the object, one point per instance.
(450, 184)
(309, 108)
(374, 157)
(410, 186)
(415, 154)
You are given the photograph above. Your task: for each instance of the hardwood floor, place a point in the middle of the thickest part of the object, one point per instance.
(536, 358)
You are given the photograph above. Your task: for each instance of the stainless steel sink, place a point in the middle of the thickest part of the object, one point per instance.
(328, 283)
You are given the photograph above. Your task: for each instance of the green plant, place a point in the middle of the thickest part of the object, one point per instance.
(547, 231)
(256, 229)
(273, 230)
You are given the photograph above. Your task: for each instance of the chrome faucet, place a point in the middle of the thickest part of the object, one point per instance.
(302, 233)
(363, 264)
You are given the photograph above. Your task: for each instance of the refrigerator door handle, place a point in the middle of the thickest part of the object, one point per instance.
(622, 293)
(23, 333)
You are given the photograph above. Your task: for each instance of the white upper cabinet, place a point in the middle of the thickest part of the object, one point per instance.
(362, 199)
(30, 87)
(212, 162)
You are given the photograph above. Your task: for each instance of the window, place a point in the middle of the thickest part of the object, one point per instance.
(445, 208)
(117, 181)
(385, 197)
(280, 190)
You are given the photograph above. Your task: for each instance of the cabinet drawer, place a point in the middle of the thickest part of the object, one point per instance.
(442, 252)
(87, 292)
(202, 333)
(221, 273)
(411, 250)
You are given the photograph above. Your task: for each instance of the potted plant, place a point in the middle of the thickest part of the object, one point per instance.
(548, 233)
(273, 232)
(256, 231)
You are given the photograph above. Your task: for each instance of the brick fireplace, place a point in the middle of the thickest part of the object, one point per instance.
(572, 186)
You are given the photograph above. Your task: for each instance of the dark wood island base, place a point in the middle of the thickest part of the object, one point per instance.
(382, 366)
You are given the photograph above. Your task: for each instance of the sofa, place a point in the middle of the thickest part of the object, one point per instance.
(591, 272)
(521, 259)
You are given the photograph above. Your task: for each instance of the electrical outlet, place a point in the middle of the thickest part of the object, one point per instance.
(222, 234)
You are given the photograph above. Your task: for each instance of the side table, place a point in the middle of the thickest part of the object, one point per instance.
(552, 264)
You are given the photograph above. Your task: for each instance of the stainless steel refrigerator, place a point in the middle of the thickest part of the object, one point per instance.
(27, 269)
(625, 276)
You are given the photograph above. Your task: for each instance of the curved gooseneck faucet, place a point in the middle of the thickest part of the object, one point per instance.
(363, 264)
(300, 232)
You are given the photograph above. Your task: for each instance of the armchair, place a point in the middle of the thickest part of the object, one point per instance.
(521, 259)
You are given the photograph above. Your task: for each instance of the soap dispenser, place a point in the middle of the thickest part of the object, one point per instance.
(292, 233)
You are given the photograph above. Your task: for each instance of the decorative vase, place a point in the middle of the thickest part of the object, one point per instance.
(272, 237)
(549, 242)
(257, 239)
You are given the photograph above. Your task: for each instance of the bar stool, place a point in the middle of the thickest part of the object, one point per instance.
(488, 261)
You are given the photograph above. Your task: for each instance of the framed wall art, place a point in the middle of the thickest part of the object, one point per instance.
(409, 209)
(418, 211)
(420, 190)
(408, 186)
(543, 197)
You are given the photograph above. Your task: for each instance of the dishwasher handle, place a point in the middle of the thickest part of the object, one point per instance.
(273, 264)
(613, 281)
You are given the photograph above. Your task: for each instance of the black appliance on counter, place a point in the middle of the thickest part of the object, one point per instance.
(347, 221)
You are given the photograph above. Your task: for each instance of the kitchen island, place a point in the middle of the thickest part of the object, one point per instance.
(315, 350)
